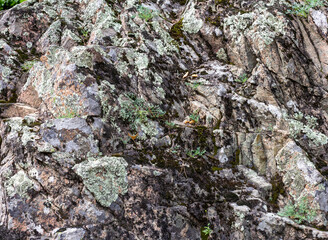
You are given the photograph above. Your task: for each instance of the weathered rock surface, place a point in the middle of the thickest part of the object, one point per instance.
(157, 119)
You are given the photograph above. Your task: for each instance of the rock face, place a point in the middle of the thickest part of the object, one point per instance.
(163, 120)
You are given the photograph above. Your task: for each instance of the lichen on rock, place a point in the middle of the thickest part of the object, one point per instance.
(105, 177)
(259, 25)
(19, 184)
(191, 23)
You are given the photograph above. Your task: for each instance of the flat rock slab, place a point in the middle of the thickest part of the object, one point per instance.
(8, 110)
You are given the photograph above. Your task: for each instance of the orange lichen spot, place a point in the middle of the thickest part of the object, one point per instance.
(185, 121)
(192, 121)
(44, 58)
(133, 137)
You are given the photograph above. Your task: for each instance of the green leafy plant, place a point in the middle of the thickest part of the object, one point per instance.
(137, 111)
(303, 9)
(194, 117)
(175, 149)
(194, 85)
(145, 13)
(242, 78)
(68, 114)
(85, 33)
(6, 4)
(207, 230)
(196, 153)
(299, 212)
(28, 65)
(170, 124)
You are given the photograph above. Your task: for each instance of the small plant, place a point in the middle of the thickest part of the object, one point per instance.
(207, 230)
(170, 124)
(242, 78)
(145, 13)
(68, 114)
(137, 112)
(6, 4)
(194, 117)
(175, 149)
(303, 9)
(85, 33)
(28, 65)
(299, 212)
(194, 85)
(196, 153)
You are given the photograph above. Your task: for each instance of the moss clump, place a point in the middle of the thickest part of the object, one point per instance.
(221, 2)
(6, 4)
(237, 159)
(303, 9)
(176, 30)
(181, 2)
(277, 189)
(105, 177)
(213, 20)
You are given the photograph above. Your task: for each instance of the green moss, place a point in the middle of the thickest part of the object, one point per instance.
(237, 161)
(6, 4)
(22, 55)
(222, 2)
(213, 20)
(105, 177)
(145, 13)
(181, 2)
(216, 169)
(176, 30)
(303, 9)
(277, 189)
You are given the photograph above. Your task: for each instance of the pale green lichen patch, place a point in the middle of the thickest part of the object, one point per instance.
(165, 44)
(52, 35)
(221, 55)
(105, 177)
(17, 128)
(140, 60)
(190, 23)
(5, 73)
(68, 34)
(259, 25)
(105, 18)
(19, 184)
(81, 57)
(296, 127)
